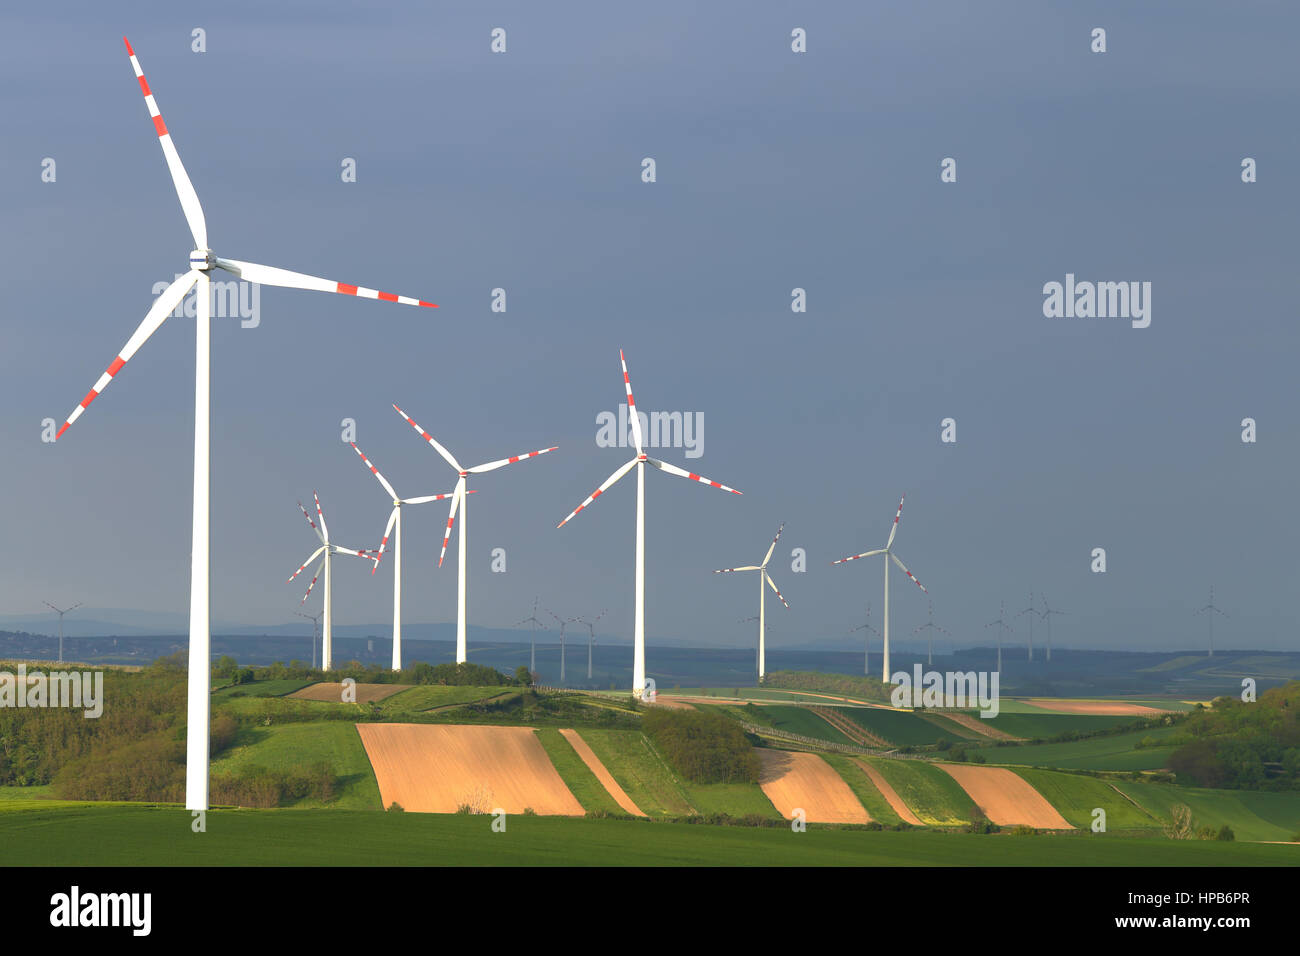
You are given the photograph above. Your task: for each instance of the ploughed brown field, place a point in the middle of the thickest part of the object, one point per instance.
(437, 768)
(1006, 798)
(792, 780)
(602, 774)
(1103, 708)
(333, 692)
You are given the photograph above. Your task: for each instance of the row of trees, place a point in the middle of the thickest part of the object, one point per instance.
(702, 745)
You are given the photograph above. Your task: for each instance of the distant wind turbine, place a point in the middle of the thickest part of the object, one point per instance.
(762, 595)
(1003, 627)
(315, 633)
(591, 637)
(1031, 611)
(930, 627)
(563, 623)
(1209, 611)
(866, 657)
(532, 643)
(61, 613)
(1046, 615)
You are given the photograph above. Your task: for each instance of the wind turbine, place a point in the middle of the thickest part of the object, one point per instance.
(866, 657)
(61, 613)
(563, 622)
(326, 546)
(315, 633)
(458, 500)
(1046, 614)
(395, 528)
(762, 595)
(591, 637)
(640, 461)
(202, 261)
(532, 642)
(1209, 611)
(1002, 627)
(931, 627)
(1031, 612)
(889, 556)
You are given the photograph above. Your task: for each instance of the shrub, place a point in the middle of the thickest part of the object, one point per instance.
(1225, 833)
(703, 746)
(396, 807)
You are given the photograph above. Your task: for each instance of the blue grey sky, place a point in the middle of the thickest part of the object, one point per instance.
(775, 170)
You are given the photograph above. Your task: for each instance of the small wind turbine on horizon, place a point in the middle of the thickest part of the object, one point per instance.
(532, 643)
(866, 626)
(1031, 611)
(640, 461)
(762, 596)
(1003, 627)
(61, 613)
(563, 623)
(315, 632)
(1209, 611)
(930, 627)
(394, 527)
(201, 262)
(1046, 614)
(889, 556)
(328, 548)
(591, 636)
(460, 501)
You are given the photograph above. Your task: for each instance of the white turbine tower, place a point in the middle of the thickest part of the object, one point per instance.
(532, 643)
(202, 261)
(591, 636)
(1209, 611)
(328, 548)
(1031, 611)
(60, 613)
(1046, 614)
(762, 602)
(315, 632)
(889, 556)
(563, 623)
(458, 501)
(866, 626)
(394, 528)
(1003, 627)
(640, 461)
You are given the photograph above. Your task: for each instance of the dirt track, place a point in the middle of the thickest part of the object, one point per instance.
(333, 692)
(804, 780)
(979, 725)
(890, 794)
(1105, 708)
(603, 775)
(1006, 798)
(435, 768)
(672, 703)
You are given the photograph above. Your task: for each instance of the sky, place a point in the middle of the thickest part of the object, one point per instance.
(775, 171)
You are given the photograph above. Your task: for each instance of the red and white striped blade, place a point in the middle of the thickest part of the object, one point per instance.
(855, 557)
(324, 528)
(447, 456)
(774, 588)
(375, 471)
(368, 555)
(674, 470)
(424, 499)
(451, 517)
(903, 568)
(162, 307)
(184, 188)
(631, 405)
(313, 582)
(623, 470)
(493, 465)
(894, 530)
(748, 567)
(305, 563)
(768, 556)
(388, 530)
(310, 522)
(270, 275)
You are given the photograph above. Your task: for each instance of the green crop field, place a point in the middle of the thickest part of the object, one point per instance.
(1111, 752)
(797, 720)
(261, 688)
(283, 746)
(639, 770)
(429, 696)
(144, 835)
(899, 727)
(733, 799)
(577, 776)
(871, 798)
(1075, 796)
(933, 795)
(1252, 815)
(1047, 726)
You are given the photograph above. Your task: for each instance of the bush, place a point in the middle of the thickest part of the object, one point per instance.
(1023, 830)
(1225, 833)
(396, 807)
(703, 746)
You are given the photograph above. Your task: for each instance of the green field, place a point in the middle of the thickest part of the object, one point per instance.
(260, 688)
(872, 799)
(900, 727)
(1252, 815)
(99, 835)
(429, 696)
(794, 720)
(934, 796)
(639, 770)
(1075, 796)
(577, 776)
(1046, 726)
(1112, 752)
(282, 746)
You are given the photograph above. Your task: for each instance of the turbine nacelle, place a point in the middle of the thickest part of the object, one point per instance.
(202, 260)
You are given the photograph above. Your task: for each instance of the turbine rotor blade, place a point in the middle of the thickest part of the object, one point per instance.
(310, 522)
(324, 528)
(270, 275)
(451, 517)
(383, 543)
(623, 470)
(158, 312)
(769, 580)
(768, 556)
(894, 530)
(180, 178)
(748, 567)
(305, 563)
(375, 471)
(674, 470)
(631, 405)
(425, 499)
(903, 568)
(493, 465)
(855, 557)
(313, 582)
(447, 456)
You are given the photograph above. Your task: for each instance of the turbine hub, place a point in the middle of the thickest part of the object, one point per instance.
(202, 259)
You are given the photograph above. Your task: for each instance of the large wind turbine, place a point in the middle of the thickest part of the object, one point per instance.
(394, 528)
(640, 461)
(60, 612)
(202, 261)
(762, 595)
(328, 548)
(458, 500)
(889, 556)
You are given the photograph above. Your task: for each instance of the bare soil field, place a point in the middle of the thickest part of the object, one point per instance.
(1104, 708)
(890, 794)
(791, 779)
(602, 774)
(332, 692)
(979, 725)
(1006, 798)
(674, 703)
(436, 768)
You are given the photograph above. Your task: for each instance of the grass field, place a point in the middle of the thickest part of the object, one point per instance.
(282, 746)
(899, 727)
(89, 835)
(640, 771)
(260, 688)
(1046, 726)
(877, 806)
(429, 696)
(795, 720)
(1252, 816)
(1075, 796)
(934, 796)
(1113, 752)
(577, 776)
